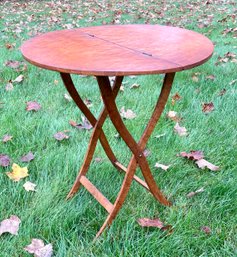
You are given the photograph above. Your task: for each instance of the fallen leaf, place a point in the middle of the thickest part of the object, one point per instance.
(207, 107)
(84, 125)
(193, 155)
(60, 136)
(182, 131)
(206, 230)
(6, 138)
(55, 82)
(17, 172)
(33, 106)
(175, 97)
(146, 152)
(222, 92)
(172, 115)
(10, 225)
(98, 159)
(38, 248)
(202, 163)
(211, 77)
(28, 157)
(9, 86)
(233, 82)
(129, 114)
(163, 167)
(29, 186)
(191, 194)
(4, 160)
(67, 97)
(159, 136)
(135, 85)
(146, 222)
(13, 64)
(195, 78)
(18, 79)
(88, 103)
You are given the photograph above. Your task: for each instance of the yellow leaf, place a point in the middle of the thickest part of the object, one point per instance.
(17, 172)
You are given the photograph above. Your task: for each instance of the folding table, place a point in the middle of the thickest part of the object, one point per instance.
(118, 50)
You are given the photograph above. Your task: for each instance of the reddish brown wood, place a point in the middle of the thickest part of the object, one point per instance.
(137, 149)
(118, 50)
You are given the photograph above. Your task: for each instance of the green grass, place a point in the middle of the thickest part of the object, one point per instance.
(71, 225)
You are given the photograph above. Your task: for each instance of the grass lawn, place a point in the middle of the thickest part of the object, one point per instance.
(70, 226)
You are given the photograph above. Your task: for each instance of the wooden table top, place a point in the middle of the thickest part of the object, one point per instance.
(117, 50)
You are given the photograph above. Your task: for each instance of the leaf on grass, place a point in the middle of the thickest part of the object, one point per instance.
(88, 103)
(29, 186)
(202, 163)
(60, 136)
(193, 155)
(28, 157)
(6, 138)
(84, 125)
(181, 131)
(146, 222)
(17, 172)
(135, 85)
(10, 225)
(206, 230)
(162, 166)
(33, 106)
(222, 92)
(39, 249)
(146, 152)
(191, 194)
(19, 79)
(175, 97)
(9, 86)
(129, 114)
(67, 97)
(98, 159)
(172, 115)
(4, 160)
(211, 77)
(13, 64)
(233, 82)
(159, 136)
(207, 107)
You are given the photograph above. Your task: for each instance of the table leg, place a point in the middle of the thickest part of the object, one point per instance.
(136, 148)
(97, 132)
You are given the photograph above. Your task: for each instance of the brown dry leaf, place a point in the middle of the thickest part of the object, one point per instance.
(195, 78)
(181, 131)
(33, 106)
(135, 85)
(193, 155)
(13, 64)
(191, 194)
(175, 97)
(28, 157)
(9, 86)
(4, 160)
(206, 230)
(129, 114)
(60, 136)
(202, 164)
(67, 97)
(6, 138)
(10, 225)
(29, 186)
(172, 115)
(162, 166)
(84, 125)
(146, 222)
(38, 248)
(18, 79)
(207, 107)
(211, 77)
(17, 172)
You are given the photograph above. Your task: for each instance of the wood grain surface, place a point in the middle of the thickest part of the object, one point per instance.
(118, 50)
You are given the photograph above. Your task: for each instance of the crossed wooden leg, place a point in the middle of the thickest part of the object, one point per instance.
(109, 94)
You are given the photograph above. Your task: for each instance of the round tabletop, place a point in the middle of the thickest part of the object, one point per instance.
(117, 50)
